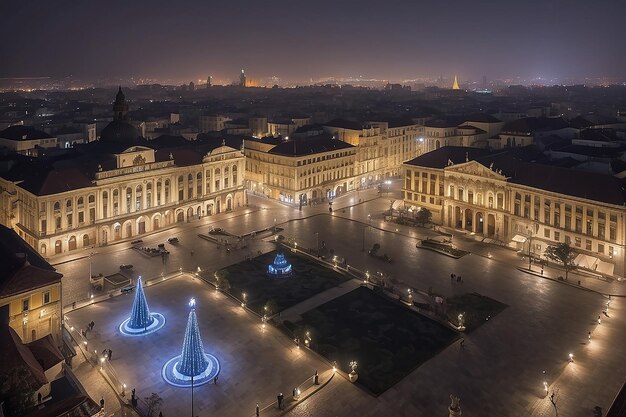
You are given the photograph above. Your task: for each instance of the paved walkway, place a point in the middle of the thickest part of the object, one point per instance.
(294, 313)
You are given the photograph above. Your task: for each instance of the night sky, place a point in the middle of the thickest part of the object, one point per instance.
(298, 40)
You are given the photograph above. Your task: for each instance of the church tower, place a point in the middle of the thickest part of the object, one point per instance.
(120, 107)
(455, 86)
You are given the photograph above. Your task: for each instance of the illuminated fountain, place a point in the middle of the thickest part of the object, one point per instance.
(193, 366)
(280, 268)
(141, 321)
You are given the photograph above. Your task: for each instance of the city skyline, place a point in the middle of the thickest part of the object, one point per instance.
(534, 41)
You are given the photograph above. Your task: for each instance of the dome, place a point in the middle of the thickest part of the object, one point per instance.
(119, 132)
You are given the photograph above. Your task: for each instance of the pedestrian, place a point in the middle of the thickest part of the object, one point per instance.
(91, 325)
(278, 400)
(105, 352)
(317, 380)
(110, 354)
(191, 253)
(74, 305)
(462, 344)
(215, 379)
(160, 413)
(257, 410)
(282, 401)
(102, 403)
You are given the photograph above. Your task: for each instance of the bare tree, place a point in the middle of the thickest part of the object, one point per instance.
(153, 402)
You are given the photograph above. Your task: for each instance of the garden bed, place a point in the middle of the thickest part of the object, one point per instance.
(387, 339)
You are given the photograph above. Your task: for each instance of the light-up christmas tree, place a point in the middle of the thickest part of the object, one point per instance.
(140, 317)
(193, 361)
(193, 366)
(141, 320)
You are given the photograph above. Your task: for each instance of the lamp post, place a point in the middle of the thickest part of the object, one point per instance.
(317, 242)
(388, 183)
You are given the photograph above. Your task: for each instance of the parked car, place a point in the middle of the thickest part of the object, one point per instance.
(126, 266)
(216, 231)
(173, 240)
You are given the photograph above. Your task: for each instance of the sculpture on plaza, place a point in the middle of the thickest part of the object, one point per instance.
(280, 268)
(193, 366)
(141, 321)
(454, 409)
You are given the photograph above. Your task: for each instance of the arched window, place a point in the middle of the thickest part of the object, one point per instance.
(159, 187)
(234, 175)
(189, 186)
(149, 195)
(57, 206)
(138, 198)
(105, 204)
(167, 191)
(518, 200)
(91, 199)
(198, 184)
(129, 199)
(80, 202)
(181, 186)
(68, 204)
(116, 202)
(207, 180)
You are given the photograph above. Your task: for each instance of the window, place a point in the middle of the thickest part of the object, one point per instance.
(69, 220)
(57, 206)
(612, 233)
(601, 248)
(80, 202)
(546, 233)
(611, 251)
(557, 236)
(81, 217)
(199, 184)
(25, 303)
(577, 242)
(57, 223)
(587, 244)
(91, 199)
(46, 297)
(568, 240)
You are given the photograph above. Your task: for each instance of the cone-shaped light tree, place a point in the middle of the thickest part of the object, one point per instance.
(193, 360)
(140, 317)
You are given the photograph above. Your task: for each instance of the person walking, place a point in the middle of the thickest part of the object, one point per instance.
(257, 410)
(110, 354)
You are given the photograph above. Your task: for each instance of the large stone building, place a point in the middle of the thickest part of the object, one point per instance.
(300, 170)
(381, 146)
(118, 187)
(527, 205)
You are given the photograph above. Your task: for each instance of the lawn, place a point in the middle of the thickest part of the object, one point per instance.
(387, 340)
(477, 309)
(250, 277)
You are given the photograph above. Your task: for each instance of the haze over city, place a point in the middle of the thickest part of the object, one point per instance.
(535, 41)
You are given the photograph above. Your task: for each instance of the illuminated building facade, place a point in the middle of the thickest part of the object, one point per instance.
(118, 187)
(528, 206)
(300, 170)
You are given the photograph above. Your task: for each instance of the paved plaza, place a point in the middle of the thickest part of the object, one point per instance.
(497, 373)
(255, 364)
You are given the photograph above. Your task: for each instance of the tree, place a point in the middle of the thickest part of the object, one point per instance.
(562, 253)
(17, 391)
(153, 403)
(423, 216)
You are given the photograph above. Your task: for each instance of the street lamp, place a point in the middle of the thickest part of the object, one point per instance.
(388, 183)
(571, 357)
(317, 242)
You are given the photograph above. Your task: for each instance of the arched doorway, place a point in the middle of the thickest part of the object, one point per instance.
(57, 247)
(72, 243)
(209, 209)
(491, 225)
(217, 207)
(229, 204)
(141, 225)
(180, 216)
(155, 222)
(85, 241)
(198, 212)
(479, 223)
(43, 249)
(458, 218)
(128, 229)
(189, 213)
(117, 231)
